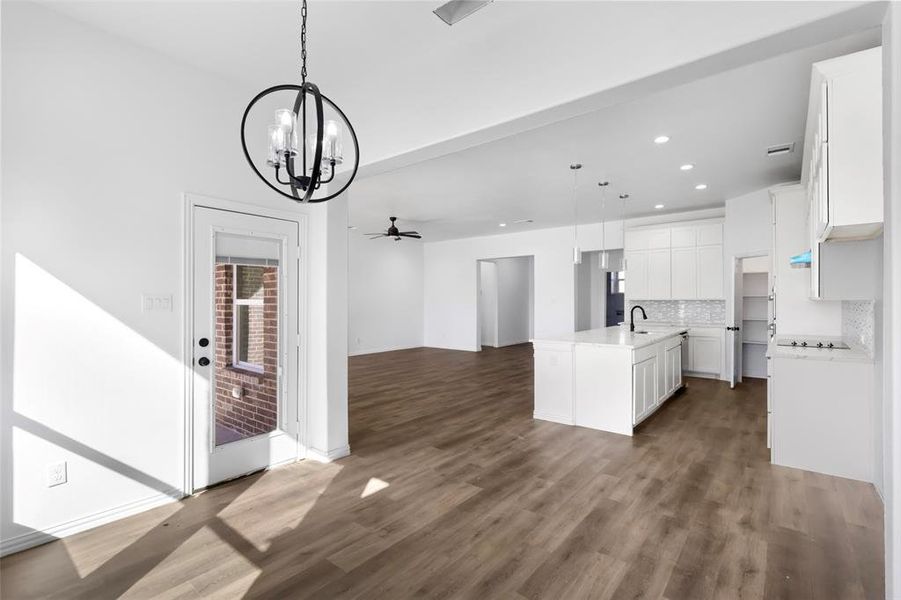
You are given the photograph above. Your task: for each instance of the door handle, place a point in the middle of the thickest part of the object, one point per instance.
(203, 361)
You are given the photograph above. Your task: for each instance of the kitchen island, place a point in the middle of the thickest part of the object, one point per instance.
(608, 379)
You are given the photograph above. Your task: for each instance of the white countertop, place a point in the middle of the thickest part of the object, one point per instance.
(614, 336)
(852, 354)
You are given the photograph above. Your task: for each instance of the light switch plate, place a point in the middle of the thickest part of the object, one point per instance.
(156, 302)
(56, 473)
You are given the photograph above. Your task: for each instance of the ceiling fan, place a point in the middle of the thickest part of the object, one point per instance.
(393, 232)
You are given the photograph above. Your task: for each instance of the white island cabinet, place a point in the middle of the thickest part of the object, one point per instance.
(607, 379)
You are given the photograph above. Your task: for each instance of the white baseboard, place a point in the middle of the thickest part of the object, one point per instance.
(38, 537)
(553, 418)
(362, 351)
(327, 457)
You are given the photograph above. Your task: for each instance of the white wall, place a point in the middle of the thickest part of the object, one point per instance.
(488, 303)
(385, 294)
(889, 361)
(87, 377)
(514, 310)
(450, 276)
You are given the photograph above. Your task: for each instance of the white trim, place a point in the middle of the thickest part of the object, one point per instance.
(190, 202)
(329, 456)
(362, 351)
(55, 532)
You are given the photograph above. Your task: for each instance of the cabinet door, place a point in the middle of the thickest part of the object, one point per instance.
(673, 369)
(711, 234)
(644, 387)
(637, 275)
(635, 239)
(658, 238)
(659, 275)
(684, 273)
(683, 237)
(710, 272)
(706, 355)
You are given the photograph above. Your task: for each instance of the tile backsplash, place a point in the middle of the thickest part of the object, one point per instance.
(700, 312)
(858, 323)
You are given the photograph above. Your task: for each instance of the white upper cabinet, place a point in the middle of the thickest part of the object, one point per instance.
(685, 273)
(637, 274)
(684, 237)
(709, 235)
(710, 272)
(659, 275)
(679, 262)
(843, 147)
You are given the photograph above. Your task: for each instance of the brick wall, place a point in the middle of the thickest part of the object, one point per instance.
(255, 412)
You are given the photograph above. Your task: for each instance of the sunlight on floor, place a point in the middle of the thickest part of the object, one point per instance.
(373, 486)
(86, 555)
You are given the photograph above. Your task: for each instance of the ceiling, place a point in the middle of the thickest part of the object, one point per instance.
(464, 127)
(407, 80)
(721, 124)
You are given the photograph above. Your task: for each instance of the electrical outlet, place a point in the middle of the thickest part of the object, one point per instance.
(56, 473)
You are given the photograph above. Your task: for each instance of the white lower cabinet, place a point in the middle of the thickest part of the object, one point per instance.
(673, 368)
(706, 354)
(644, 387)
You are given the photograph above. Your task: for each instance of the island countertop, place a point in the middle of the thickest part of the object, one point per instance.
(614, 336)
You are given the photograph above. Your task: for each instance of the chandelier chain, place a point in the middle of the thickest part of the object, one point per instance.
(303, 41)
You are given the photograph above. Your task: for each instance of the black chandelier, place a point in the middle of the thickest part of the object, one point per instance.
(304, 150)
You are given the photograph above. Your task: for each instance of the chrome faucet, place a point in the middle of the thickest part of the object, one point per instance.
(632, 316)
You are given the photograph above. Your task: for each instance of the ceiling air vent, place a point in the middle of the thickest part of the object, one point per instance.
(456, 10)
(780, 149)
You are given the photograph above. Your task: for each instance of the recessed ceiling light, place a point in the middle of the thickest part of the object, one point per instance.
(687, 167)
(501, 224)
(351, 226)
(661, 139)
(701, 186)
(623, 196)
(521, 221)
(658, 206)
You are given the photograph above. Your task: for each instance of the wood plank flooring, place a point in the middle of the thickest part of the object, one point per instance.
(484, 502)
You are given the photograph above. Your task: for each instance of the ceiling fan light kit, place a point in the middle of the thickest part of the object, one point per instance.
(393, 232)
(304, 148)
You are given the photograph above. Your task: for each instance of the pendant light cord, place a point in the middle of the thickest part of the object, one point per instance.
(303, 41)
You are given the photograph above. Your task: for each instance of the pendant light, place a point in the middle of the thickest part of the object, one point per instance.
(305, 142)
(604, 262)
(577, 253)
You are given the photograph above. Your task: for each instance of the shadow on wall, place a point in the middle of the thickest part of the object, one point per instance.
(46, 416)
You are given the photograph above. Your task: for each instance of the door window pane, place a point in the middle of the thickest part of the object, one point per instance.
(246, 402)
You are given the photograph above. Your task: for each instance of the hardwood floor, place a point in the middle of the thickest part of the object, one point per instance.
(484, 502)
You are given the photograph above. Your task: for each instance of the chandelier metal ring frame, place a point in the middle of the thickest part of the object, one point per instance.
(304, 184)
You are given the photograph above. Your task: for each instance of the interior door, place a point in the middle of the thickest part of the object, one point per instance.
(245, 344)
(733, 326)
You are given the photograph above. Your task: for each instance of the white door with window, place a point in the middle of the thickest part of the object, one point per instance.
(245, 342)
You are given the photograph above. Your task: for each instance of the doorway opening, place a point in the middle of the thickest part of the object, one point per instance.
(506, 291)
(599, 293)
(751, 317)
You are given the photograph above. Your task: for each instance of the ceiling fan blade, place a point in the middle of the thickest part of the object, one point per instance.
(411, 235)
(375, 233)
(405, 232)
